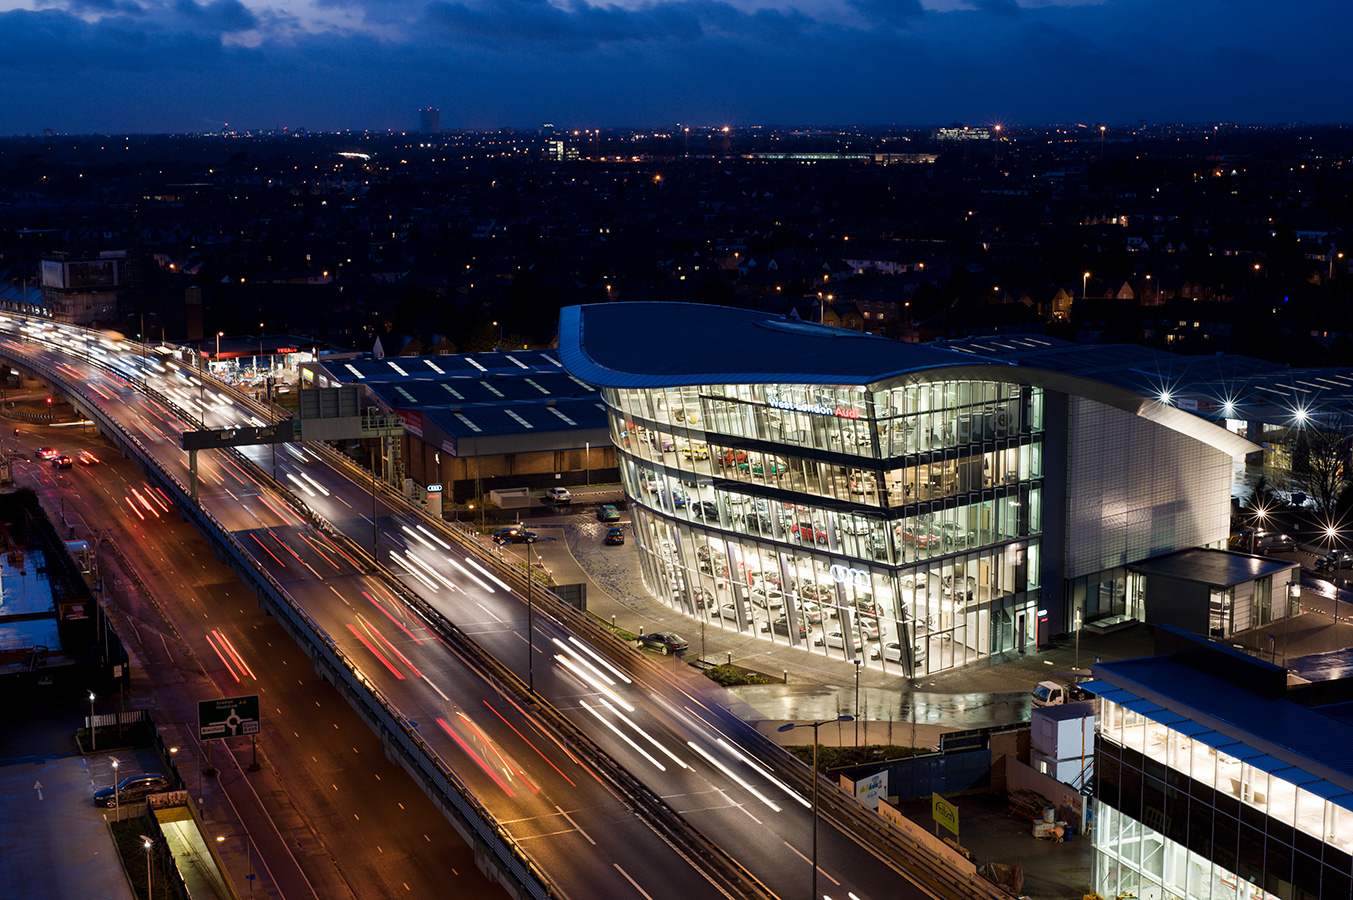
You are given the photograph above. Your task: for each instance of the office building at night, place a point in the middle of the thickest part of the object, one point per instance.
(1216, 779)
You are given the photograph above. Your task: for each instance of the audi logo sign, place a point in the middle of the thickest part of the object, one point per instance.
(843, 575)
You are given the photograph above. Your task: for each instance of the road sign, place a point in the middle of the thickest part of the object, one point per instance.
(227, 717)
(944, 813)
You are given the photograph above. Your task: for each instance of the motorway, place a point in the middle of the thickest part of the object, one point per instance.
(330, 815)
(571, 824)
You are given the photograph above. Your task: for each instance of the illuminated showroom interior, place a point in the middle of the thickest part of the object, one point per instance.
(911, 507)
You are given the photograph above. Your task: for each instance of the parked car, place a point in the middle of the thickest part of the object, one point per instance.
(732, 457)
(61, 462)
(869, 628)
(767, 597)
(1334, 560)
(131, 789)
(711, 560)
(838, 640)
(914, 581)
(705, 509)
(615, 535)
(558, 495)
(892, 650)
(680, 498)
(966, 583)
(607, 513)
(774, 467)
(729, 612)
(668, 641)
(954, 537)
(921, 536)
(805, 531)
(695, 451)
(702, 598)
(811, 612)
(856, 525)
(514, 536)
(862, 484)
(781, 626)
(821, 593)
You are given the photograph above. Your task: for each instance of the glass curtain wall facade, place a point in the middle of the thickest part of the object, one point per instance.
(1179, 818)
(898, 526)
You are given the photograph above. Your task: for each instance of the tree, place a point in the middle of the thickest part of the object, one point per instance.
(1320, 456)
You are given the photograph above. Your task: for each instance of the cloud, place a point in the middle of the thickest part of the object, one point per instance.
(371, 63)
(999, 7)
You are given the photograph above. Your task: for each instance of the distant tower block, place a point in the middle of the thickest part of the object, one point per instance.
(430, 121)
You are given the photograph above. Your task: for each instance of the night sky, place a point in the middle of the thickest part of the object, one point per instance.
(112, 66)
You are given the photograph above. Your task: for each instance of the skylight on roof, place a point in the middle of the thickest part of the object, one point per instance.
(580, 382)
(472, 361)
(519, 420)
(434, 367)
(514, 359)
(561, 415)
(398, 369)
(492, 389)
(467, 423)
(406, 395)
(550, 359)
(453, 392)
(532, 382)
(353, 369)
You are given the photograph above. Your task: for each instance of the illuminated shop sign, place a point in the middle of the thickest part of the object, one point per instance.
(844, 575)
(820, 409)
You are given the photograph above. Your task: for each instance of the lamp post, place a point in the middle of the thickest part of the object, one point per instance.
(587, 459)
(790, 726)
(1260, 514)
(249, 849)
(858, 663)
(500, 334)
(1085, 278)
(116, 809)
(147, 843)
(217, 358)
(1293, 609)
(93, 738)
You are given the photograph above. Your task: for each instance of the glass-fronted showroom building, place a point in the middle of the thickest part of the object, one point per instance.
(899, 504)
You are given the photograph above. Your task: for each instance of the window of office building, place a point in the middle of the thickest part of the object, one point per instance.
(905, 520)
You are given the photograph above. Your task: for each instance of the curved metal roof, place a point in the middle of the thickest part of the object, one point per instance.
(668, 345)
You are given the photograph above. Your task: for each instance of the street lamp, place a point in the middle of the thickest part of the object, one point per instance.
(116, 809)
(1260, 514)
(858, 663)
(218, 345)
(1085, 278)
(790, 726)
(500, 334)
(147, 843)
(249, 849)
(93, 738)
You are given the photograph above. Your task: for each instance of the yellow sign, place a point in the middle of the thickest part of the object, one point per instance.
(944, 813)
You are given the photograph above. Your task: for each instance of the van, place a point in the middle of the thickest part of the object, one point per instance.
(1273, 542)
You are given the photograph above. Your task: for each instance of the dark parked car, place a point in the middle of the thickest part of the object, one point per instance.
(663, 640)
(514, 536)
(781, 626)
(705, 509)
(615, 535)
(131, 789)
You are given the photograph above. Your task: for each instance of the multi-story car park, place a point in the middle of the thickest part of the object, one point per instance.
(913, 507)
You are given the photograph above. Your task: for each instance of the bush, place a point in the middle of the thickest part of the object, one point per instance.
(733, 676)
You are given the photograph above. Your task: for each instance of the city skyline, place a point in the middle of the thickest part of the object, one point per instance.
(149, 66)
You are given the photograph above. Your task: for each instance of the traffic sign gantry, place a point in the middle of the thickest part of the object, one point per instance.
(227, 717)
